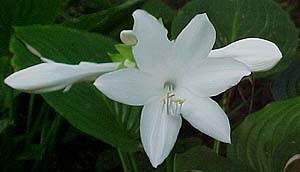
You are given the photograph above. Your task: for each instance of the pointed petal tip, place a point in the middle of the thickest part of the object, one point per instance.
(203, 15)
(8, 81)
(138, 12)
(155, 162)
(13, 81)
(226, 140)
(97, 83)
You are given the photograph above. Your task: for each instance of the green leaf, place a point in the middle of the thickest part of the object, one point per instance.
(202, 159)
(238, 19)
(262, 133)
(61, 44)
(287, 84)
(83, 106)
(104, 20)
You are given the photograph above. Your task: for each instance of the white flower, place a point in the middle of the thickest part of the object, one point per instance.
(175, 79)
(51, 76)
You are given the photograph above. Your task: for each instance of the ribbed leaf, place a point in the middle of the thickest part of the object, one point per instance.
(202, 159)
(258, 141)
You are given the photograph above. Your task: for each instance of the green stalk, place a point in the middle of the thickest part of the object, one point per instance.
(52, 134)
(133, 162)
(30, 113)
(10, 102)
(125, 160)
(216, 147)
(224, 102)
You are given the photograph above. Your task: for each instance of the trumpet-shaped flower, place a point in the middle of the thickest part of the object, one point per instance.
(175, 80)
(52, 76)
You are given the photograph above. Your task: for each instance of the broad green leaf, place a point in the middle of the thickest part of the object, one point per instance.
(238, 19)
(61, 44)
(104, 20)
(202, 159)
(287, 84)
(83, 106)
(262, 133)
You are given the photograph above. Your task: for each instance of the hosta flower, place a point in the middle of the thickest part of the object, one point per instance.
(52, 76)
(175, 80)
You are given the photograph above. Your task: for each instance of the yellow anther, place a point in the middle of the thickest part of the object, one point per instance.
(163, 99)
(171, 94)
(179, 101)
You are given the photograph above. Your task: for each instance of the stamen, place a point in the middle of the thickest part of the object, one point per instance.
(172, 105)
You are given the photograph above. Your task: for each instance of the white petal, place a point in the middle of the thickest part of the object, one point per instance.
(206, 115)
(257, 54)
(213, 76)
(153, 46)
(128, 37)
(129, 86)
(53, 76)
(159, 131)
(196, 40)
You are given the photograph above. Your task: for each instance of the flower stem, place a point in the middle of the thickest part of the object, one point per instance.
(125, 160)
(133, 162)
(224, 105)
(216, 147)
(10, 102)
(30, 112)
